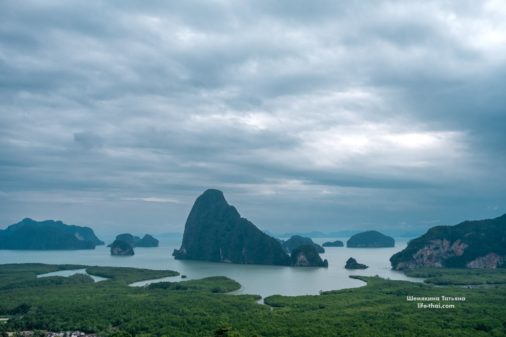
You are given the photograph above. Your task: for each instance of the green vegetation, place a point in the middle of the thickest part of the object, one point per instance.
(444, 276)
(195, 308)
(215, 284)
(13, 274)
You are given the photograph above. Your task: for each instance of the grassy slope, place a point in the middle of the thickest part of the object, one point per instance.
(378, 309)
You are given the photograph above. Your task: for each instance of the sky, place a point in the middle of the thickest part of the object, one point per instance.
(308, 115)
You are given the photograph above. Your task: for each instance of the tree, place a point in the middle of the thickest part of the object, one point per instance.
(226, 330)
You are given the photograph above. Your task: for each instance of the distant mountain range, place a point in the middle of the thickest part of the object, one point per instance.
(344, 234)
(169, 235)
(44, 235)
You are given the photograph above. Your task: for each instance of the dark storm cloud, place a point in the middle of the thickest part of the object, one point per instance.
(347, 114)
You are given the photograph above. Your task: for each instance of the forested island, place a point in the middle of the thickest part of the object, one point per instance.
(29, 234)
(469, 244)
(336, 243)
(296, 241)
(370, 239)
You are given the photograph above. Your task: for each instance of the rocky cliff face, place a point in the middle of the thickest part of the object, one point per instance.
(470, 244)
(491, 260)
(121, 248)
(434, 253)
(370, 239)
(215, 231)
(49, 234)
(307, 256)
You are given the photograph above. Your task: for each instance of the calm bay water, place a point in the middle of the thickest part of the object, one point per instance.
(262, 280)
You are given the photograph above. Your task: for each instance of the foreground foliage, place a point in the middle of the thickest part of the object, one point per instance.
(196, 308)
(446, 276)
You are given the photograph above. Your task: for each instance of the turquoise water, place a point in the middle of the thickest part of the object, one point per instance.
(255, 279)
(67, 273)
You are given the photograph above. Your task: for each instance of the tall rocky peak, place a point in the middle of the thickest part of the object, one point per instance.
(215, 231)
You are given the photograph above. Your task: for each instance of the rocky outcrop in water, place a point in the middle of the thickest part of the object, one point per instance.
(307, 256)
(215, 231)
(121, 248)
(370, 239)
(296, 241)
(147, 241)
(351, 263)
(44, 235)
(135, 241)
(337, 243)
(470, 244)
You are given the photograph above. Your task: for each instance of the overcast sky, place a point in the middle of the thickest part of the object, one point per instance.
(309, 115)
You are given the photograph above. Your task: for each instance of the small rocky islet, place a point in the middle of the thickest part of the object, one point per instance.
(125, 243)
(296, 241)
(121, 248)
(336, 243)
(307, 256)
(351, 263)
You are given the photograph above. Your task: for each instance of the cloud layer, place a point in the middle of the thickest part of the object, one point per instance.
(309, 115)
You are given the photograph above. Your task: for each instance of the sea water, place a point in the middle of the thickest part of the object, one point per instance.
(254, 279)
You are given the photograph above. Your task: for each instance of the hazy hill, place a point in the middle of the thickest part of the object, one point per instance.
(39, 235)
(370, 239)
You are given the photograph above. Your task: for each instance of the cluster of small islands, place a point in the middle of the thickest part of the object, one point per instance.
(216, 232)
